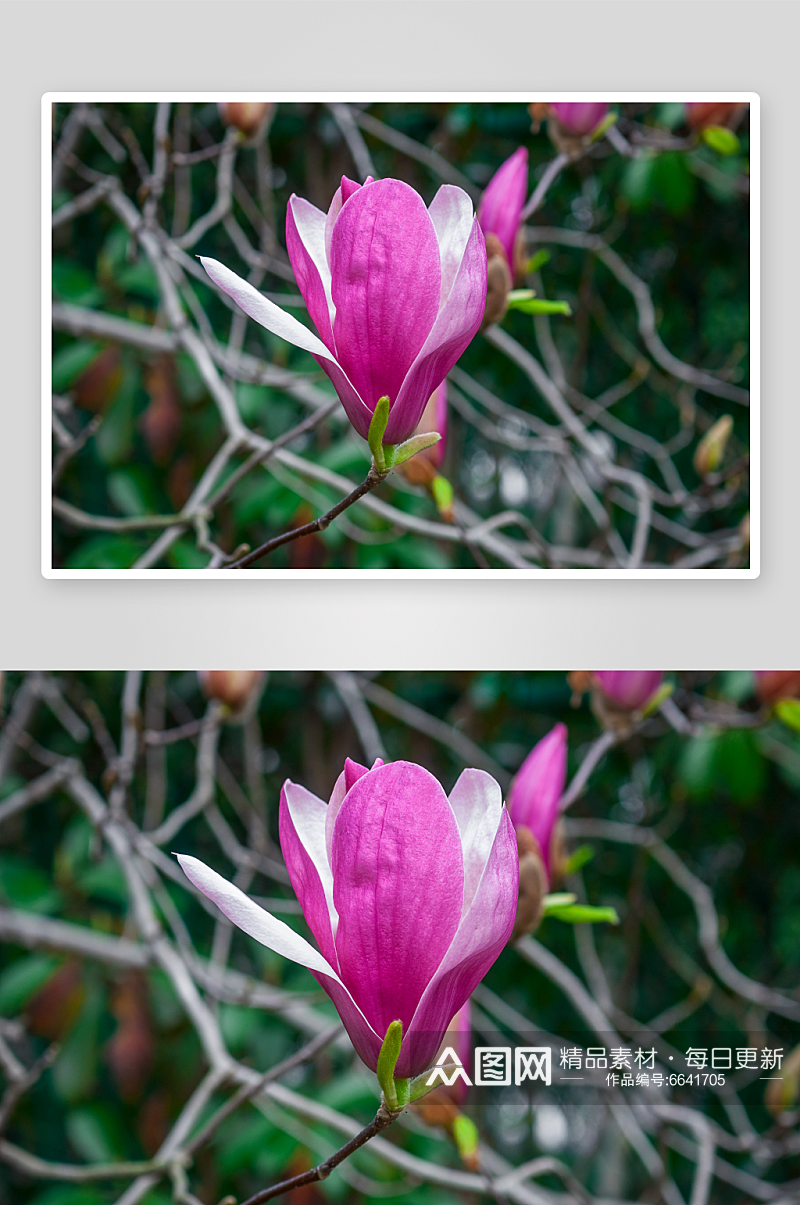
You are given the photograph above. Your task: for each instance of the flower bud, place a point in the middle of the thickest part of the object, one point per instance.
(537, 788)
(710, 451)
(424, 466)
(246, 115)
(618, 696)
(232, 687)
(579, 118)
(627, 689)
(772, 685)
(440, 1108)
(500, 209)
(714, 113)
(534, 883)
(498, 281)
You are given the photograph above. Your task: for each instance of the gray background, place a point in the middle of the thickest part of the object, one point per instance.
(380, 44)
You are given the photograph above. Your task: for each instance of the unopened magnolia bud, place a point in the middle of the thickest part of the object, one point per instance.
(423, 467)
(772, 685)
(232, 687)
(714, 113)
(570, 125)
(246, 115)
(710, 451)
(533, 883)
(498, 281)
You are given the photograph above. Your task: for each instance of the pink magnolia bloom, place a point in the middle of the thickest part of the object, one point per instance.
(459, 1039)
(396, 291)
(629, 689)
(501, 205)
(581, 117)
(410, 895)
(537, 788)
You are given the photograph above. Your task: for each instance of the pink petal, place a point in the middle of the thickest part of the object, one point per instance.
(629, 688)
(305, 242)
(354, 407)
(502, 202)
(349, 776)
(366, 1041)
(538, 787)
(455, 327)
(386, 280)
(580, 117)
(477, 804)
(451, 214)
(398, 883)
(252, 919)
(301, 824)
(334, 209)
(263, 311)
(484, 930)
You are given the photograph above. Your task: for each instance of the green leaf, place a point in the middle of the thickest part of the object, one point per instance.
(417, 443)
(538, 305)
(70, 362)
(654, 702)
(721, 140)
(558, 899)
(788, 712)
(442, 492)
(465, 1135)
(584, 914)
(515, 295)
(537, 261)
(73, 283)
(26, 886)
(387, 1061)
(578, 858)
(105, 552)
(377, 429)
(608, 121)
(22, 980)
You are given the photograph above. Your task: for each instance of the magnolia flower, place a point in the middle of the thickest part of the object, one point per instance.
(396, 291)
(629, 690)
(581, 117)
(410, 895)
(533, 807)
(537, 788)
(500, 209)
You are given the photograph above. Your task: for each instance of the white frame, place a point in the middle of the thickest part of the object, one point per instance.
(751, 98)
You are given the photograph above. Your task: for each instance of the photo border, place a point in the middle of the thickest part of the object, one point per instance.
(537, 573)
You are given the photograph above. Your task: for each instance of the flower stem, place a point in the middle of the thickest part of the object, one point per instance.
(374, 477)
(383, 1118)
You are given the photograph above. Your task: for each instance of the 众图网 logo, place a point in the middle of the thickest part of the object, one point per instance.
(493, 1066)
